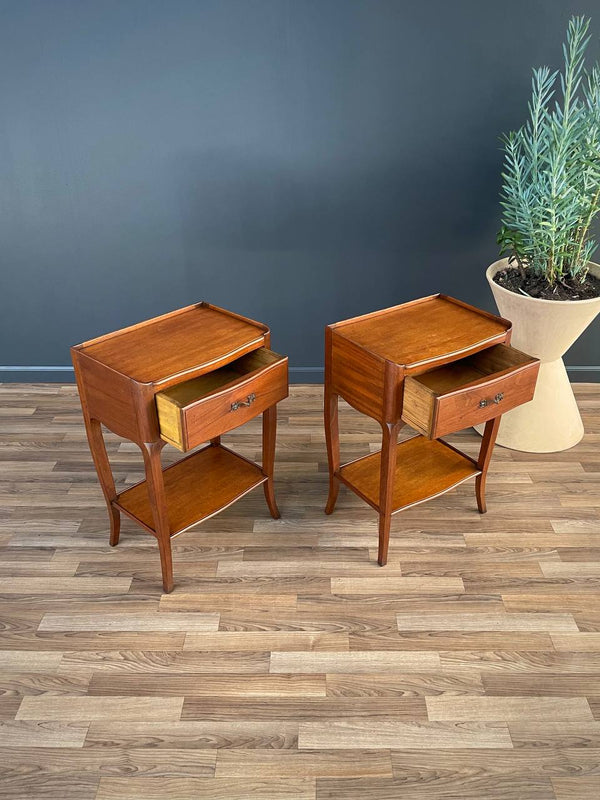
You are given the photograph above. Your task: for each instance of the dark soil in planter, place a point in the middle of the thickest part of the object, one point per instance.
(537, 285)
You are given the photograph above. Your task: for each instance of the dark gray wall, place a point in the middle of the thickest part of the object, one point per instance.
(300, 161)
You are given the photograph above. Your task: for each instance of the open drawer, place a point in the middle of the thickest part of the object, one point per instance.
(469, 391)
(202, 408)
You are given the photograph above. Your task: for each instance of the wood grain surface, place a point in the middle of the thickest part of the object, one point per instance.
(287, 665)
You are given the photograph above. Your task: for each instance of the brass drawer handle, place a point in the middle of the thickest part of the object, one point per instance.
(240, 403)
(497, 399)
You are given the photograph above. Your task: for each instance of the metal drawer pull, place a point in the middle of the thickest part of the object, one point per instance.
(497, 399)
(240, 403)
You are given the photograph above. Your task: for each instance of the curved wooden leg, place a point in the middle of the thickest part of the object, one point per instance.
(480, 494)
(332, 438)
(386, 487)
(385, 523)
(156, 493)
(485, 454)
(115, 526)
(166, 563)
(269, 431)
(334, 490)
(105, 476)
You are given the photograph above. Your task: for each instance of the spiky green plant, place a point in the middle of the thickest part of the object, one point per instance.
(551, 179)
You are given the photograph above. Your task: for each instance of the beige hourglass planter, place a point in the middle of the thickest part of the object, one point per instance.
(544, 329)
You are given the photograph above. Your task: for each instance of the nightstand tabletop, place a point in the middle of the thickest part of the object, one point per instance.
(188, 339)
(423, 331)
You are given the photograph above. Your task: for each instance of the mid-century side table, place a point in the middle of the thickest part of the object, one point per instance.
(437, 364)
(184, 378)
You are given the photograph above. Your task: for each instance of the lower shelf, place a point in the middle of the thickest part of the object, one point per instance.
(424, 469)
(197, 487)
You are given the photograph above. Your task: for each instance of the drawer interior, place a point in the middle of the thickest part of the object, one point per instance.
(472, 370)
(183, 394)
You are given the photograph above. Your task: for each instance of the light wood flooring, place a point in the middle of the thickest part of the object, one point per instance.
(287, 665)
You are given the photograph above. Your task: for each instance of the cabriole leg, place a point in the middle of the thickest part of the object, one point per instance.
(332, 439)
(485, 454)
(386, 486)
(156, 493)
(105, 476)
(268, 457)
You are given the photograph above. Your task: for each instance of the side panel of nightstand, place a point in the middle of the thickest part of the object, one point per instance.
(356, 375)
(109, 396)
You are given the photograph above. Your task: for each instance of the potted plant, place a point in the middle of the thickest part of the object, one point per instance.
(548, 286)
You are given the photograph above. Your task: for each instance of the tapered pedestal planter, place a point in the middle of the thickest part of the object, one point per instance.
(544, 329)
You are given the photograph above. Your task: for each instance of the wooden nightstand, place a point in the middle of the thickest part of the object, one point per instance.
(437, 364)
(183, 378)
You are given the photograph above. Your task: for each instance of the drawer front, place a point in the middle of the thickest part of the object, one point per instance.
(469, 392)
(226, 409)
(467, 407)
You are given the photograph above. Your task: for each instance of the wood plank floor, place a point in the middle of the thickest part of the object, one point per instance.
(286, 663)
